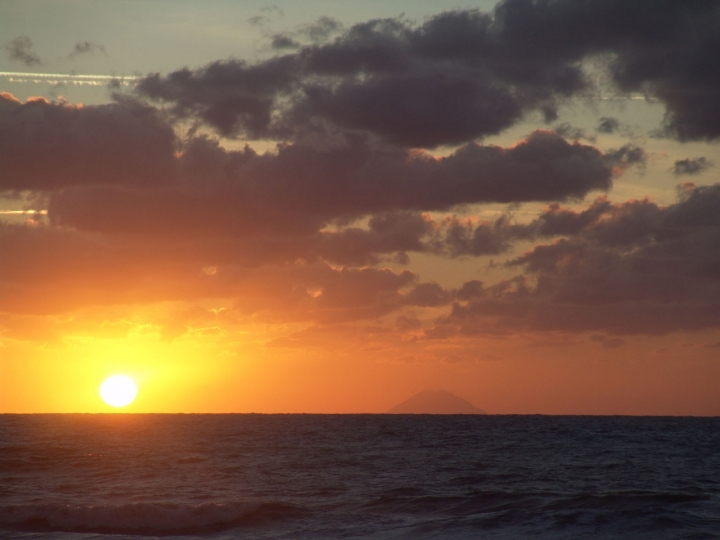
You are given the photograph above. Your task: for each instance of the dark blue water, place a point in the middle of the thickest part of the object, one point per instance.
(358, 476)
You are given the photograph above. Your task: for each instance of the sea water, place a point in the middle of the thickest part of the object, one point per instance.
(358, 476)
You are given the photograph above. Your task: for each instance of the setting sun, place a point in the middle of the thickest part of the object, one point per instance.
(118, 391)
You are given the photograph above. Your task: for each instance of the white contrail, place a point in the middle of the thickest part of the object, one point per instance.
(67, 78)
(132, 80)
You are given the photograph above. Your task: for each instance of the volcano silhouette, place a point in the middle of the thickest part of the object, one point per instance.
(435, 402)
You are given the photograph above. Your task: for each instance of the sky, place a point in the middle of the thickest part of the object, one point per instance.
(327, 207)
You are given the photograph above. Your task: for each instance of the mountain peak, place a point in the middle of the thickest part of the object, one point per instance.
(435, 402)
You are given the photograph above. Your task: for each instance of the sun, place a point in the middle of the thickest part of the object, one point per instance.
(118, 390)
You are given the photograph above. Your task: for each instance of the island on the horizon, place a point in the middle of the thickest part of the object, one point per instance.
(435, 402)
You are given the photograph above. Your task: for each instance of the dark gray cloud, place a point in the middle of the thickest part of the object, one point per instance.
(629, 268)
(666, 49)
(557, 220)
(427, 295)
(571, 132)
(316, 32)
(119, 169)
(608, 124)
(321, 29)
(44, 146)
(691, 166)
(20, 49)
(464, 74)
(627, 155)
(258, 20)
(233, 96)
(457, 238)
(86, 47)
(284, 41)
(299, 188)
(128, 195)
(382, 76)
(387, 233)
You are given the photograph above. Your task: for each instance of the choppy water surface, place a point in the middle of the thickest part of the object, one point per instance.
(359, 476)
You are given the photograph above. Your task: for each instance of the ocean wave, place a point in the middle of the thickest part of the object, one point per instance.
(523, 505)
(144, 518)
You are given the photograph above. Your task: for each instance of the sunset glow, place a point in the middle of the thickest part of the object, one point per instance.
(332, 207)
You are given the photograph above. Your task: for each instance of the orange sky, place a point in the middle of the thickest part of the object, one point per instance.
(361, 211)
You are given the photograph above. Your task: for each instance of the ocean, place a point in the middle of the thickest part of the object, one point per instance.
(358, 477)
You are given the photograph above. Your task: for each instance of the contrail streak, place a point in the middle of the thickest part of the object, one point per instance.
(132, 80)
(66, 78)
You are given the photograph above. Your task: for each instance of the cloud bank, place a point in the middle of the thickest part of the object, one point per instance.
(463, 75)
(628, 268)
(150, 200)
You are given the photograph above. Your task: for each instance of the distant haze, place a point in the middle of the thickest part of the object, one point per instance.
(435, 402)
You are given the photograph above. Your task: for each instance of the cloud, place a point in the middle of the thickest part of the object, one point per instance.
(612, 269)
(607, 342)
(54, 270)
(273, 9)
(316, 32)
(428, 295)
(456, 238)
(299, 189)
(382, 76)
(608, 124)
(119, 172)
(45, 145)
(569, 131)
(321, 29)
(111, 171)
(691, 166)
(393, 233)
(138, 214)
(665, 50)
(463, 75)
(233, 96)
(20, 49)
(86, 47)
(258, 20)
(626, 268)
(284, 41)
